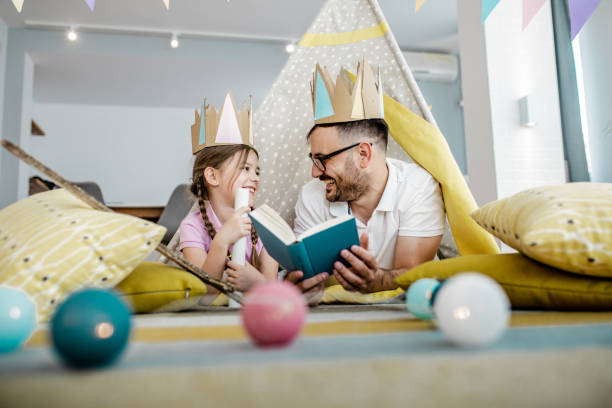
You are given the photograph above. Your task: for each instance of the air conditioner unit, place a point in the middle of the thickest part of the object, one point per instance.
(433, 67)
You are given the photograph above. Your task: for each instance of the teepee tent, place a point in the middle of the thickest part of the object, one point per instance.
(342, 34)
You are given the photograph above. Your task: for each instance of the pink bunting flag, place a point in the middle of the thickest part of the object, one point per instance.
(419, 4)
(530, 9)
(580, 11)
(91, 4)
(18, 5)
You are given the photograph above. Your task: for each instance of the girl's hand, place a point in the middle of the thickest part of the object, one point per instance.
(235, 228)
(243, 277)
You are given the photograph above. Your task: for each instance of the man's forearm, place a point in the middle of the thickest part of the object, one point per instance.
(386, 279)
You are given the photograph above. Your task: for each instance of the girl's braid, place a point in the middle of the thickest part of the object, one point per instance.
(254, 255)
(209, 227)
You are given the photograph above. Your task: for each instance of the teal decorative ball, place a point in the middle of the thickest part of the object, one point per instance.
(17, 318)
(91, 328)
(419, 298)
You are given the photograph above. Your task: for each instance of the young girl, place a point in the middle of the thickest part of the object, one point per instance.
(206, 236)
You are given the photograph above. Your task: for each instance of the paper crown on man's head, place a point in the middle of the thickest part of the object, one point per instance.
(228, 126)
(345, 101)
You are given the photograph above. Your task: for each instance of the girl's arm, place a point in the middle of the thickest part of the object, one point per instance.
(196, 256)
(267, 265)
(193, 246)
(212, 263)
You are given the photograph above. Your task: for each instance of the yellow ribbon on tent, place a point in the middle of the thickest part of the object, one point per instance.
(348, 37)
(428, 147)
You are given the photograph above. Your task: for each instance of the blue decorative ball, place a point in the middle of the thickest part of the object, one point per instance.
(17, 318)
(91, 328)
(419, 298)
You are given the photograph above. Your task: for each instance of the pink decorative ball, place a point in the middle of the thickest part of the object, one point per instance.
(273, 313)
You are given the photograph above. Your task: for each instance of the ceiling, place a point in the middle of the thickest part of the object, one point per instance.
(435, 22)
(76, 78)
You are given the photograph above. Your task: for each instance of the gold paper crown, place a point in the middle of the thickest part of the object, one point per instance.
(345, 101)
(228, 126)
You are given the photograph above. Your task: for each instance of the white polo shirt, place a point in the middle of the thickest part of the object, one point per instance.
(411, 205)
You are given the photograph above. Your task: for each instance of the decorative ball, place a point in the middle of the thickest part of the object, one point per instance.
(17, 318)
(91, 328)
(419, 298)
(471, 309)
(273, 313)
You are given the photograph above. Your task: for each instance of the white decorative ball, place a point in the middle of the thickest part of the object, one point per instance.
(471, 309)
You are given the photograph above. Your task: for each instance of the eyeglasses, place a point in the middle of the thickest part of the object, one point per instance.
(319, 160)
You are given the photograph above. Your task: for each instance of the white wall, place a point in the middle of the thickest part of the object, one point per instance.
(25, 128)
(479, 154)
(597, 65)
(3, 42)
(523, 63)
(70, 115)
(518, 63)
(135, 154)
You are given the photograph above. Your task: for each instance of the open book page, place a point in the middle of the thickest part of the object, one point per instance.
(275, 223)
(324, 225)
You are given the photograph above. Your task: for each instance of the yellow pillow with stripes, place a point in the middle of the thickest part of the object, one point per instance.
(568, 226)
(52, 244)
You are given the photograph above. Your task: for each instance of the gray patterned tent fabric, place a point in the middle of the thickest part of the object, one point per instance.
(284, 117)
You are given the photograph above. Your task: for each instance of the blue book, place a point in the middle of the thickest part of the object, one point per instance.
(314, 251)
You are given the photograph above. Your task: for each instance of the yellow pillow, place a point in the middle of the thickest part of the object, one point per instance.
(529, 284)
(156, 287)
(52, 244)
(568, 226)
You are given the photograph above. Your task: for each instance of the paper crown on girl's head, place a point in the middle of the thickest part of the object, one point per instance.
(345, 101)
(228, 126)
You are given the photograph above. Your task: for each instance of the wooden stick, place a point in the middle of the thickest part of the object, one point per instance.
(218, 284)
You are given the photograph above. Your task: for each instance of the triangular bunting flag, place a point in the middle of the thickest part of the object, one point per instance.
(91, 4)
(419, 4)
(18, 5)
(487, 8)
(530, 9)
(580, 11)
(285, 115)
(167, 4)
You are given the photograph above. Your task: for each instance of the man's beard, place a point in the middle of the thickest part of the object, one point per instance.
(348, 187)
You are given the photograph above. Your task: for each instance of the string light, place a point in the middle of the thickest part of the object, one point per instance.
(174, 42)
(72, 35)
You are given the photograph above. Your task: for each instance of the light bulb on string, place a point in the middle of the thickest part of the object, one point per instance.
(290, 48)
(174, 42)
(71, 34)
(471, 310)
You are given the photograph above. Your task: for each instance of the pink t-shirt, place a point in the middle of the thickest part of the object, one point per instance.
(194, 234)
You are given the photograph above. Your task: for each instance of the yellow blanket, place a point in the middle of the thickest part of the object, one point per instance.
(428, 147)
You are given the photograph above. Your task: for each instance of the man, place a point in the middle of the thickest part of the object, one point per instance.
(398, 206)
